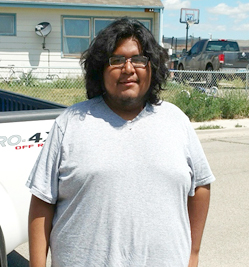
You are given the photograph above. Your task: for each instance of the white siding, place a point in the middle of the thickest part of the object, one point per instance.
(25, 49)
(156, 25)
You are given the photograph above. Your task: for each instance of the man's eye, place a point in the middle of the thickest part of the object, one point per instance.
(117, 61)
(138, 60)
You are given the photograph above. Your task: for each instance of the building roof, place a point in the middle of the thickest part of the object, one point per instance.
(116, 3)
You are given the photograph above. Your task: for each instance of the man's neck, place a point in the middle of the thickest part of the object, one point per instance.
(127, 111)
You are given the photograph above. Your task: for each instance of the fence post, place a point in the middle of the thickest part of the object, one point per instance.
(247, 69)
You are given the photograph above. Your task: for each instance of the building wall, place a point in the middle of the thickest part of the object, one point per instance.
(25, 49)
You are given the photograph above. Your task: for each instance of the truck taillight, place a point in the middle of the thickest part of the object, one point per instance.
(222, 58)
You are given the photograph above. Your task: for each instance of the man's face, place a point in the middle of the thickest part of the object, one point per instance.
(128, 85)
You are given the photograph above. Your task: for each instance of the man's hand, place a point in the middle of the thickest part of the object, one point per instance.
(193, 261)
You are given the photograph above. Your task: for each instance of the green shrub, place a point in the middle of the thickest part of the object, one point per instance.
(198, 106)
(235, 103)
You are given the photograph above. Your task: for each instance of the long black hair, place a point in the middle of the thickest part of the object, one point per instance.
(102, 47)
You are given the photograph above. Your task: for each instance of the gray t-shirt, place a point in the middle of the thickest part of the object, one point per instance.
(120, 187)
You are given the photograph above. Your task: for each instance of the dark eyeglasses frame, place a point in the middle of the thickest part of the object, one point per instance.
(129, 60)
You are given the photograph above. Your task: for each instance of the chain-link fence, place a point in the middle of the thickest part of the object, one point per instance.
(61, 85)
(207, 95)
(67, 86)
(210, 82)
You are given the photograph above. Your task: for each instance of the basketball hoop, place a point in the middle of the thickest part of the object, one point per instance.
(189, 17)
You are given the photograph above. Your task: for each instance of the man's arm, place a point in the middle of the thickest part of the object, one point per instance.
(40, 225)
(198, 208)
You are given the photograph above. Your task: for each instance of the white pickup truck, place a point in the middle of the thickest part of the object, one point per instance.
(22, 135)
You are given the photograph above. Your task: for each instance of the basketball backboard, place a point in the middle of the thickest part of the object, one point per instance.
(189, 16)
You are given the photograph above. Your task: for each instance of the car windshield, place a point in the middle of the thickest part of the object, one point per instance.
(222, 46)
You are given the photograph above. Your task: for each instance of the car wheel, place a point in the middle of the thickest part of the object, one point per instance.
(3, 256)
(181, 74)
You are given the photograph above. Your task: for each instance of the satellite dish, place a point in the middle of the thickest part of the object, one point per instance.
(43, 29)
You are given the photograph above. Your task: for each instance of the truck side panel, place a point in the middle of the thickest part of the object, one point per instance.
(20, 145)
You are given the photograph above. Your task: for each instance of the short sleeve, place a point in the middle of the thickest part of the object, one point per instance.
(201, 171)
(43, 179)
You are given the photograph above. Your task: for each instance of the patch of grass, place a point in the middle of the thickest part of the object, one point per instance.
(63, 91)
(232, 82)
(209, 127)
(238, 126)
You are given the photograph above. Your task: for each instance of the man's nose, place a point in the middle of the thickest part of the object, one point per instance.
(128, 67)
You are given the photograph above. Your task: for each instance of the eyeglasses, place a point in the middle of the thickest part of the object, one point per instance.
(137, 61)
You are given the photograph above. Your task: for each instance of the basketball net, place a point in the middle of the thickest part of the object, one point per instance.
(190, 22)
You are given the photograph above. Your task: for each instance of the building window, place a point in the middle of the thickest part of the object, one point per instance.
(78, 32)
(7, 24)
(146, 23)
(76, 35)
(100, 24)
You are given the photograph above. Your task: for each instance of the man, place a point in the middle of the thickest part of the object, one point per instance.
(122, 177)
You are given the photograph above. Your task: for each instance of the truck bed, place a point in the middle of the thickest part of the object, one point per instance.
(10, 101)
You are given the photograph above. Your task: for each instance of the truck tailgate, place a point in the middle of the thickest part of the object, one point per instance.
(236, 59)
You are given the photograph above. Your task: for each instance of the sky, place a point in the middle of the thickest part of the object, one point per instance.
(227, 19)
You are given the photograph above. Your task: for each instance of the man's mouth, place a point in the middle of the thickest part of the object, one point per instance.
(128, 81)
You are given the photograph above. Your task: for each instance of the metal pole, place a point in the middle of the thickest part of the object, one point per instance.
(172, 41)
(176, 45)
(187, 27)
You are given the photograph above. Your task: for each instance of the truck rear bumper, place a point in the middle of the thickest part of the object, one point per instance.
(242, 70)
